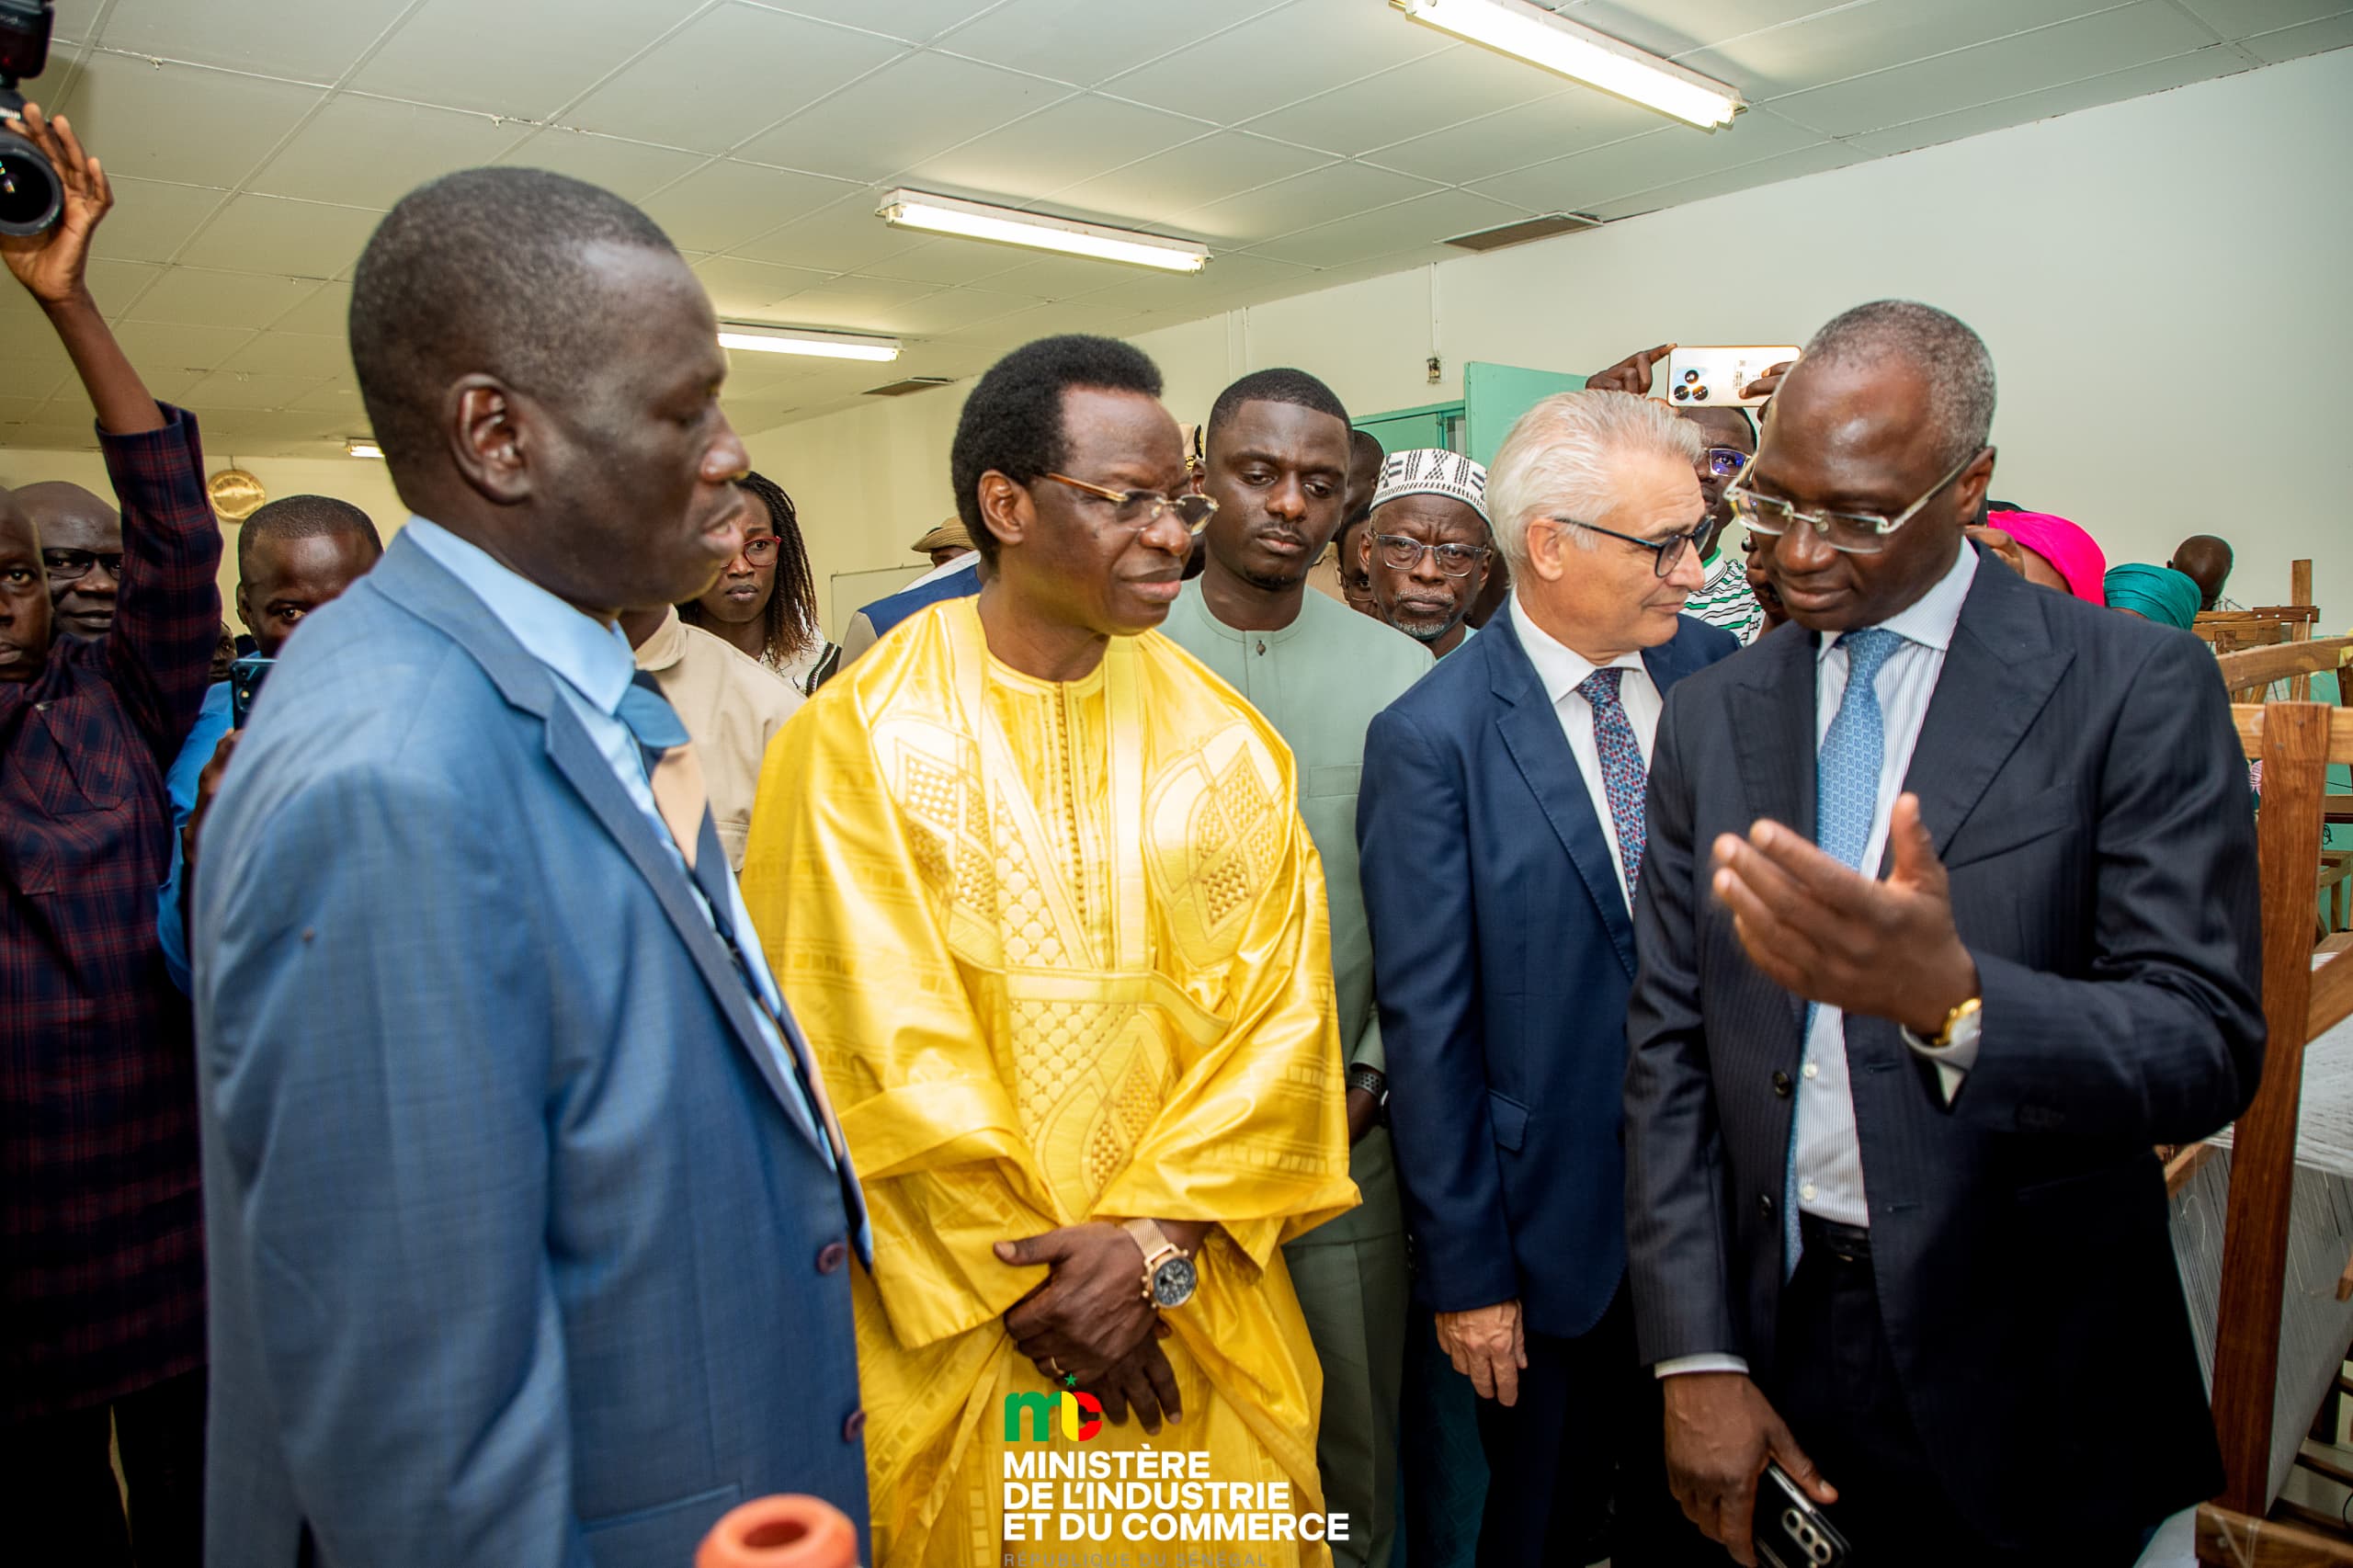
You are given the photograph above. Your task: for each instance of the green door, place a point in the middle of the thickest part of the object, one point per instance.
(1433, 425)
(1495, 396)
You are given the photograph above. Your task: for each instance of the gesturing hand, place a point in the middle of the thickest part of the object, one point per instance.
(1090, 1313)
(51, 265)
(1720, 1432)
(1829, 934)
(1770, 382)
(1488, 1346)
(1631, 374)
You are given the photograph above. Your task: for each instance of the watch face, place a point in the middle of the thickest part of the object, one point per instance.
(1172, 1282)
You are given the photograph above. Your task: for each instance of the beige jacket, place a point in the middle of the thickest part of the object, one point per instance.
(731, 705)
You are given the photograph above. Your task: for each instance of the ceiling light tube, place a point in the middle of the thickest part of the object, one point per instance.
(753, 337)
(979, 220)
(1532, 33)
(358, 447)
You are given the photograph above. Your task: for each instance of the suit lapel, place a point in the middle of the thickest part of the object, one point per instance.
(1772, 724)
(2000, 672)
(1531, 732)
(418, 582)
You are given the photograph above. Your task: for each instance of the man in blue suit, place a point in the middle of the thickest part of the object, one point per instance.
(1501, 830)
(529, 1224)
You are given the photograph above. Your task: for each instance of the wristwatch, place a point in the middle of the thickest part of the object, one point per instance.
(1169, 1277)
(1372, 1081)
(1962, 1026)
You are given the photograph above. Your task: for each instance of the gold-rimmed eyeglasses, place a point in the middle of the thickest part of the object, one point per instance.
(1855, 533)
(1139, 509)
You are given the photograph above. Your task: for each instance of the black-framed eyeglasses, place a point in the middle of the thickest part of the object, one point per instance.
(1139, 509)
(1667, 553)
(1401, 554)
(1725, 462)
(73, 566)
(1853, 533)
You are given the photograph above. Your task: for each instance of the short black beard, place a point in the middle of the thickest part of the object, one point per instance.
(1269, 583)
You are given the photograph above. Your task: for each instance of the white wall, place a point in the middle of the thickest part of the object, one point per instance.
(2141, 271)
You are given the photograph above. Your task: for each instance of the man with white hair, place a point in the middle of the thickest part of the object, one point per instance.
(1426, 548)
(1501, 828)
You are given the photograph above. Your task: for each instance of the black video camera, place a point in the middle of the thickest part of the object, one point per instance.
(30, 197)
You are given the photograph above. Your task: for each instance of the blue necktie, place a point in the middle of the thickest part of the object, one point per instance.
(1622, 778)
(1846, 799)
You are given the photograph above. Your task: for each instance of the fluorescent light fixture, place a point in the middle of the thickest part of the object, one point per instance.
(978, 220)
(1532, 33)
(358, 448)
(752, 337)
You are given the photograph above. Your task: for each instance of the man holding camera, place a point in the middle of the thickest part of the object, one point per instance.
(101, 1241)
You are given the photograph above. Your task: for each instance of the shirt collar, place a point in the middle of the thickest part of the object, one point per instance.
(1929, 620)
(1560, 667)
(594, 658)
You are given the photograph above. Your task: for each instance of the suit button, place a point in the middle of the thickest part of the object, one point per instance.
(855, 1427)
(831, 1257)
(1765, 1204)
(1780, 1082)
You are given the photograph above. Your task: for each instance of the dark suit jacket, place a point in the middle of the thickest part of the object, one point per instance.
(1502, 953)
(2078, 771)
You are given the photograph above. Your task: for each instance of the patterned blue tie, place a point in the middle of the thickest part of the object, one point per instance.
(1846, 799)
(1622, 778)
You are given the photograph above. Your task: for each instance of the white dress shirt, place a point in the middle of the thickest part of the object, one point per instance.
(1562, 669)
(1829, 1159)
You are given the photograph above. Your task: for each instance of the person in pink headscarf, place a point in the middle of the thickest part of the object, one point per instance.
(2047, 550)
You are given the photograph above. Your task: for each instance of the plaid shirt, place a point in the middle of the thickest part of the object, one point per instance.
(101, 1239)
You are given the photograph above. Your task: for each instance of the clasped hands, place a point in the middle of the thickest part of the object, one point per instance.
(1090, 1321)
(1817, 927)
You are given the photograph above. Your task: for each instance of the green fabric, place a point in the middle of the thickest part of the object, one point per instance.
(2158, 592)
(1354, 1295)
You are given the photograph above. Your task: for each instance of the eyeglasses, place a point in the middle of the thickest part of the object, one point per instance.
(73, 566)
(1855, 533)
(762, 551)
(1725, 462)
(1667, 553)
(1139, 509)
(1401, 554)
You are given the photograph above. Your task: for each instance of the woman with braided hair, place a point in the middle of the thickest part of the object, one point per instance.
(765, 603)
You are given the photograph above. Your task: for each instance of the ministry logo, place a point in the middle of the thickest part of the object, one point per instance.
(1082, 1417)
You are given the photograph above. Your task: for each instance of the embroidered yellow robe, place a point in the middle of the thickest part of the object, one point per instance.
(1061, 952)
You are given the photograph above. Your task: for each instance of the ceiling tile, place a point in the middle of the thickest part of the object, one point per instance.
(901, 115)
(362, 152)
(1578, 182)
(1811, 160)
(740, 287)
(162, 348)
(326, 314)
(1335, 191)
(299, 239)
(1671, 26)
(2088, 46)
(952, 310)
(187, 296)
(722, 204)
(1854, 39)
(521, 58)
(1044, 276)
(227, 389)
(116, 284)
(1042, 320)
(17, 410)
(1195, 293)
(1085, 41)
(913, 20)
(1437, 216)
(1567, 122)
(750, 418)
(1152, 191)
(339, 398)
(631, 170)
(310, 355)
(2198, 65)
(246, 428)
(1264, 63)
(1409, 100)
(2294, 43)
(722, 78)
(300, 39)
(1073, 141)
(57, 435)
(841, 238)
(851, 304)
(182, 122)
(151, 221)
(945, 261)
(36, 360)
(2247, 18)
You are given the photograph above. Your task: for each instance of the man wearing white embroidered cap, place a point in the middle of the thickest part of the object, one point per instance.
(1427, 549)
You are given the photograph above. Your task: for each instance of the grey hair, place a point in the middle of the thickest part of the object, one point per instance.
(1950, 356)
(1562, 457)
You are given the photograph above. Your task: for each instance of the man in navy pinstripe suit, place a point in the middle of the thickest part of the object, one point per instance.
(1949, 915)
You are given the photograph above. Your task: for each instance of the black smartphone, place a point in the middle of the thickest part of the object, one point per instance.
(245, 677)
(1792, 1530)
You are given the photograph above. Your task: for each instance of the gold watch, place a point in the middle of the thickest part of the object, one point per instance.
(1169, 1277)
(1962, 1023)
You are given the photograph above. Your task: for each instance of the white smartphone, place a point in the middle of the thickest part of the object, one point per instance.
(1712, 378)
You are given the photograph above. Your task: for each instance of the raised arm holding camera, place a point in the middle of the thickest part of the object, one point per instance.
(101, 1245)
